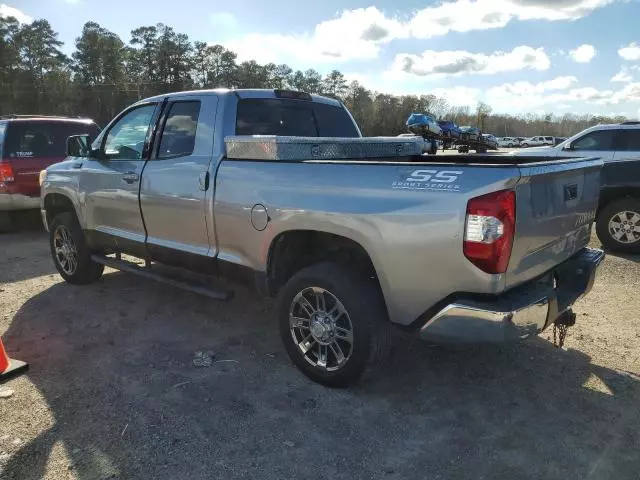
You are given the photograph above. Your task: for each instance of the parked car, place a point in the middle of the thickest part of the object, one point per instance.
(29, 144)
(423, 125)
(469, 133)
(429, 146)
(490, 140)
(618, 215)
(537, 142)
(508, 142)
(449, 129)
(558, 140)
(348, 247)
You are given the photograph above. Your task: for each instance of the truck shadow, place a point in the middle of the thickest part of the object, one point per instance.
(113, 363)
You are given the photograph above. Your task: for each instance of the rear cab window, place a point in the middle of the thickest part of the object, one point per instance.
(42, 139)
(179, 132)
(275, 116)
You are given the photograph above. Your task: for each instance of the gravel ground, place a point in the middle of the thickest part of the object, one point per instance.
(113, 391)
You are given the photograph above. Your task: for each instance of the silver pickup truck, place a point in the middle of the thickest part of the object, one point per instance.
(353, 235)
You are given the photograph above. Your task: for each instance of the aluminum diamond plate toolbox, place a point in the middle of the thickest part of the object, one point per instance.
(272, 147)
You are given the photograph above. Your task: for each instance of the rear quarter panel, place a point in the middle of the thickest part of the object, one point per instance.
(409, 218)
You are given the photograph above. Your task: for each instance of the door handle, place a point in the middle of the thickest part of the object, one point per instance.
(203, 180)
(130, 177)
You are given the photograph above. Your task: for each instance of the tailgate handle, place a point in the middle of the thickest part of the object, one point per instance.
(570, 192)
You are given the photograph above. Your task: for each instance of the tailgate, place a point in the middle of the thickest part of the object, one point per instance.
(556, 204)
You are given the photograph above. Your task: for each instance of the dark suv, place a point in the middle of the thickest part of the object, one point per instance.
(29, 144)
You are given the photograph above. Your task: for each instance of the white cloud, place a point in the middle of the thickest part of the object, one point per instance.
(583, 54)
(629, 93)
(7, 11)
(360, 33)
(630, 52)
(623, 76)
(458, 95)
(355, 34)
(459, 62)
(224, 24)
(524, 95)
(467, 15)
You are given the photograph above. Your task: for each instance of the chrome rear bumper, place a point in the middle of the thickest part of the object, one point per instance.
(518, 313)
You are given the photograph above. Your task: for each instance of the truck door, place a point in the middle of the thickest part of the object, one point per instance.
(176, 181)
(111, 182)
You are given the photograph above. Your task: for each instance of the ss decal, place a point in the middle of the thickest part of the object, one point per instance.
(444, 176)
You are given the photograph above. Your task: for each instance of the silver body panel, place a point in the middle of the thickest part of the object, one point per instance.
(408, 217)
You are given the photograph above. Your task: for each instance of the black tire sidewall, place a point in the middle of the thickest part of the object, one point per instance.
(362, 301)
(602, 224)
(87, 270)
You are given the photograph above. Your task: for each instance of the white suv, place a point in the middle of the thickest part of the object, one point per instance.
(604, 141)
(537, 141)
(508, 142)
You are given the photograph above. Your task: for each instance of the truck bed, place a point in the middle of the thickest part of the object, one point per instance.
(409, 216)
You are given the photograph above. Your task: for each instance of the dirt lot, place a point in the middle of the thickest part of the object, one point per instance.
(113, 392)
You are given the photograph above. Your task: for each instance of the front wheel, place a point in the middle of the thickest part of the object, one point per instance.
(618, 225)
(70, 253)
(333, 323)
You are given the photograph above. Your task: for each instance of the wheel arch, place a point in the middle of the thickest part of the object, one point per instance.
(56, 203)
(292, 250)
(609, 195)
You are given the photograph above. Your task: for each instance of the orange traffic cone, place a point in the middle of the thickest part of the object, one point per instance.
(9, 367)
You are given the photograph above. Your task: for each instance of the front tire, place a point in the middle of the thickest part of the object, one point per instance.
(70, 253)
(333, 323)
(618, 225)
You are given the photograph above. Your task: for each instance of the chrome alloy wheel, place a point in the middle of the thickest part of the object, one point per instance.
(624, 227)
(321, 328)
(65, 250)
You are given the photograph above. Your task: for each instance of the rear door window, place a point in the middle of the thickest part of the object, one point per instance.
(179, 132)
(630, 141)
(42, 139)
(292, 118)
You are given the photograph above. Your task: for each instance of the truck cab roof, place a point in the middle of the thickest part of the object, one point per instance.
(249, 93)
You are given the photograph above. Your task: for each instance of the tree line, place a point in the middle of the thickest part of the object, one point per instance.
(103, 75)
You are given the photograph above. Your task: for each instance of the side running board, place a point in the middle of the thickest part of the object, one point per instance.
(147, 272)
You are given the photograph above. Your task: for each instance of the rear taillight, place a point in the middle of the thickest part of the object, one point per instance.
(489, 230)
(6, 173)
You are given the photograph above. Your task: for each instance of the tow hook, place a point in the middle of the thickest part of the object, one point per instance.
(561, 326)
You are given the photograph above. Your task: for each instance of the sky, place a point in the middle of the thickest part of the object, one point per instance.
(539, 56)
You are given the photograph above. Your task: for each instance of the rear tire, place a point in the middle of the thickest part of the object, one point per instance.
(333, 323)
(70, 253)
(618, 225)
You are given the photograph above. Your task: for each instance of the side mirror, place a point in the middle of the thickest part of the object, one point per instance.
(568, 146)
(78, 146)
